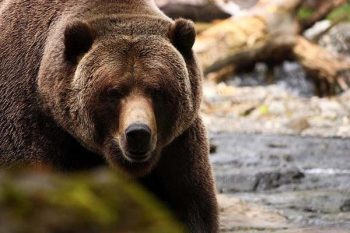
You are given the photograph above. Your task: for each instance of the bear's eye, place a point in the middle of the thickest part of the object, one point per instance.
(158, 95)
(113, 93)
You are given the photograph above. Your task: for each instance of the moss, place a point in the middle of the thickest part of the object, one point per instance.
(304, 13)
(100, 201)
(15, 200)
(341, 13)
(79, 197)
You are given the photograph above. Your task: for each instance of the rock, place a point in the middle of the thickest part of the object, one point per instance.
(317, 30)
(273, 109)
(337, 39)
(276, 183)
(345, 206)
(272, 180)
(237, 215)
(212, 148)
(298, 124)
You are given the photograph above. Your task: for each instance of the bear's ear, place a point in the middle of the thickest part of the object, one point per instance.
(78, 39)
(183, 35)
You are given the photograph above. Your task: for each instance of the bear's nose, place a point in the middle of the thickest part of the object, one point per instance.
(138, 138)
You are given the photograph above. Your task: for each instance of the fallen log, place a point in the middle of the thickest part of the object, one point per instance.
(245, 39)
(268, 33)
(318, 63)
(196, 10)
(198, 13)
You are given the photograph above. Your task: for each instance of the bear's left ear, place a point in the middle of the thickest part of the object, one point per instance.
(183, 35)
(78, 39)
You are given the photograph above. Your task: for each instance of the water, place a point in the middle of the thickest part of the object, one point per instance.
(289, 76)
(305, 180)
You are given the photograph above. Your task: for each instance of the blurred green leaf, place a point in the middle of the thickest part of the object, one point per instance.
(305, 13)
(341, 13)
(96, 202)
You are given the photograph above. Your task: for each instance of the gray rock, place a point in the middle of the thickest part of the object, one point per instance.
(346, 206)
(305, 180)
(337, 39)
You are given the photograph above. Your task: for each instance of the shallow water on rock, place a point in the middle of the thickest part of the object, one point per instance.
(274, 183)
(289, 76)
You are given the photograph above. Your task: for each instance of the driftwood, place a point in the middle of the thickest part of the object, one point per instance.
(196, 10)
(268, 32)
(319, 63)
(198, 13)
(244, 39)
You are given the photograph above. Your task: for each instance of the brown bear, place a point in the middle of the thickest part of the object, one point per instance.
(90, 82)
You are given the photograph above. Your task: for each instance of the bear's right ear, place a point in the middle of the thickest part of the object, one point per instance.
(78, 39)
(183, 34)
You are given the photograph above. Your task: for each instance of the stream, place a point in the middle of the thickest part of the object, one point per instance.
(277, 183)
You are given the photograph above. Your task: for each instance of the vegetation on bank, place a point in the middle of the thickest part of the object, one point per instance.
(100, 201)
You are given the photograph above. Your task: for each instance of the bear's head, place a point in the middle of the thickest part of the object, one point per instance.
(123, 87)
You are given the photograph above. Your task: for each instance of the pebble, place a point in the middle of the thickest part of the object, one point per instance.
(273, 109)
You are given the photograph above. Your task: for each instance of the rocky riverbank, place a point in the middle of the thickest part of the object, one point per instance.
(274, 183)
(275, 109)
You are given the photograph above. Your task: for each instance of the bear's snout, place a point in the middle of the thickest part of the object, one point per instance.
(138, 129)
(138, 139)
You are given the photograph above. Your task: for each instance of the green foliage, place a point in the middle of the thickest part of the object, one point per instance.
(98, 202)
(305, 13)
(341, 13)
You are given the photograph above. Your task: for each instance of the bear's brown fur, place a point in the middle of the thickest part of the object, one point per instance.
(79, 78)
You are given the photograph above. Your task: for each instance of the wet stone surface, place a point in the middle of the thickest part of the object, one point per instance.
(274, 183)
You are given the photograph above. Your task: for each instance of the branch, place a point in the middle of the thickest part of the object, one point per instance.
(319, 63)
